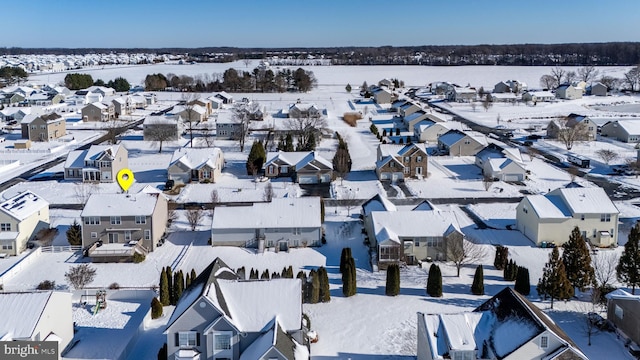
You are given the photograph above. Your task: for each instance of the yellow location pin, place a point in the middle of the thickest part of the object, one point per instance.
(125, 179)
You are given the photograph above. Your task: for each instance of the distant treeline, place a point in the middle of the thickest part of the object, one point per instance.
(577, 54)
(232, 80)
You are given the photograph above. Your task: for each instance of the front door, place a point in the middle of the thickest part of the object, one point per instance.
(283, 246)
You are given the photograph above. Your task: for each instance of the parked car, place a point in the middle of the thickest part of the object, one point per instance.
(528, 143)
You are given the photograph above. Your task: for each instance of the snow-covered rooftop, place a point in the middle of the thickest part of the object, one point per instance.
(196, 158)
(20, 313)
(280, 212)
(414, 223)
(22, 205)
(120, 204)
(592, 200)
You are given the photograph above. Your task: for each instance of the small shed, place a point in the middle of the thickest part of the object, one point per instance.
(22, 144)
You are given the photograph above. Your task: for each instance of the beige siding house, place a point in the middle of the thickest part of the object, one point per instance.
(201, 165)
(37, 316)
(458, 143)
(21, 217)
(98, 111)
(43, 127)
(397, 162)
(551, 218)
(429, 131)
(507, 326)
(114, 226)
(589, 131)
(99, 163)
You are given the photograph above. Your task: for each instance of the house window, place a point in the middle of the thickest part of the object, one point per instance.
(94, 235)
(416, 243)
(407, 159)
(7, 247)
(115, 220)
(467, 142)
(127, 235)
(605, 217)
(92, 220)
(5, 227)
(392, 164)
(619, 312)
(284, 169)
(113, 238)
(407, 170)
(147, 234)
(187, 338)
(544, 342)
(222, 341)
(296, 231)
(206, 174)
(141, 219)
(582, 217)
(419, 159)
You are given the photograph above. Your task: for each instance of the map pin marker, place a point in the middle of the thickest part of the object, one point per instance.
(125, 179)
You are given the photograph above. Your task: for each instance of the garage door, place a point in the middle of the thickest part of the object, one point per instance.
(308, 179)
(511, 177)
(325, 178)
(385, 176)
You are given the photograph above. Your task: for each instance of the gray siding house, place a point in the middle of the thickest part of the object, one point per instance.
(457, 143)
(627, 130)
(223, 316)
(99, 163)
(623, 311)
(115, 226)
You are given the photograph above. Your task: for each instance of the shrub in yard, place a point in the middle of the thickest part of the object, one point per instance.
(165, 294)
(502, 257)
(477, 288)
(523, 285)
(344, 257)
(46, 285)
(314, 290)
(325, 293)
(349, 286)
(156, 308)
(138, 258)
(393, 280)
(434, 281)
(114, 286)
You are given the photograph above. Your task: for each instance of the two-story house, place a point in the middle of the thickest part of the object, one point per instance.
(507, 326)
(97, 111)
(622, 130)
(501, 162)
(429, 131)
(114, 226)
(279, 224)
(552, 217)
(22, 216)
(199, 164)
(304, 110)
(457, 143)
(99, 163)
(569, 92)
(397, 162)
(222, 316)
(583, 127)
(43, 127)
(305, 167)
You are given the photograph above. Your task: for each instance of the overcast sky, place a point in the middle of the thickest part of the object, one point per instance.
(313, 23)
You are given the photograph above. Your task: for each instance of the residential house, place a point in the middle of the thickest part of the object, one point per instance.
(623, 311)
(386, 83)
(87, 97)
(122, 106)
(627, 130)
(102, 90)
(43, 127)
(218, 317)
(115, 226)
(569, 92)
(504, 97)
(501, 162)
(196, 164)
(396, 104)
(304, 110)
(412, 119)
(168, 127)
(538, 96)
(397, 162)
(98, 111)
(382, 95)
(461, 94)
(429, 131)
(599, 89)
(551, 218)
(99, 163)
(589, 132)
(457, 143)
(228, 128)
(225, 97)
(279, 224)
(37, 316)
(216, 103)
(501, 87)
(507, 327)
(408, 108)
(14, 113)
(191, 113)
(206, 104)
(304, 167)
(22, 216)
(412, 236)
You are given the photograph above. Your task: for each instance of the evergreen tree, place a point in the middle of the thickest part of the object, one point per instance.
(348, 88)
(288, 143)
(510, 270)
(253, 275)
(349, 286)
(178, 284)
(577, 261)
(281, 146)
(314, 290)
(393, 280)
(344, 258)
(409, 141)
(477, 288)
(502, 257)
(193, 276)
(523, 284)
(156, 308)
(303, 279)
(554, 282)
(172, 300)
(374, 129)
(325, 292)
(434, 281)
(74, 234)
(384, 132)
(257, 157)
(628, 269)
(265, 275)
(164, 289)
(275, 275)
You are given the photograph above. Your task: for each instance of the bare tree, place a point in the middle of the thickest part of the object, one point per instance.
(604, 266)
(588, 73)
(215, 199)
(548, 82)
(160, 133)
(84, 190)
(610, 82)
(607, 155)
(193, 218)
(241, 115)
(558, 74)
(487, 182)
(632, 77)
(570, 76)
(473, 106)
(570, 132)
(246, 62)
(463, 252)
(80, 276)
(268, 192)
(172, 216)
(589, 318)
(191, 115)
(573, 172)
(487, 103)
(633, 164)
(304, 127)
(113, 129)
(208, 134)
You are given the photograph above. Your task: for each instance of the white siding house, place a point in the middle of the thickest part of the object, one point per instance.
(21, 217)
